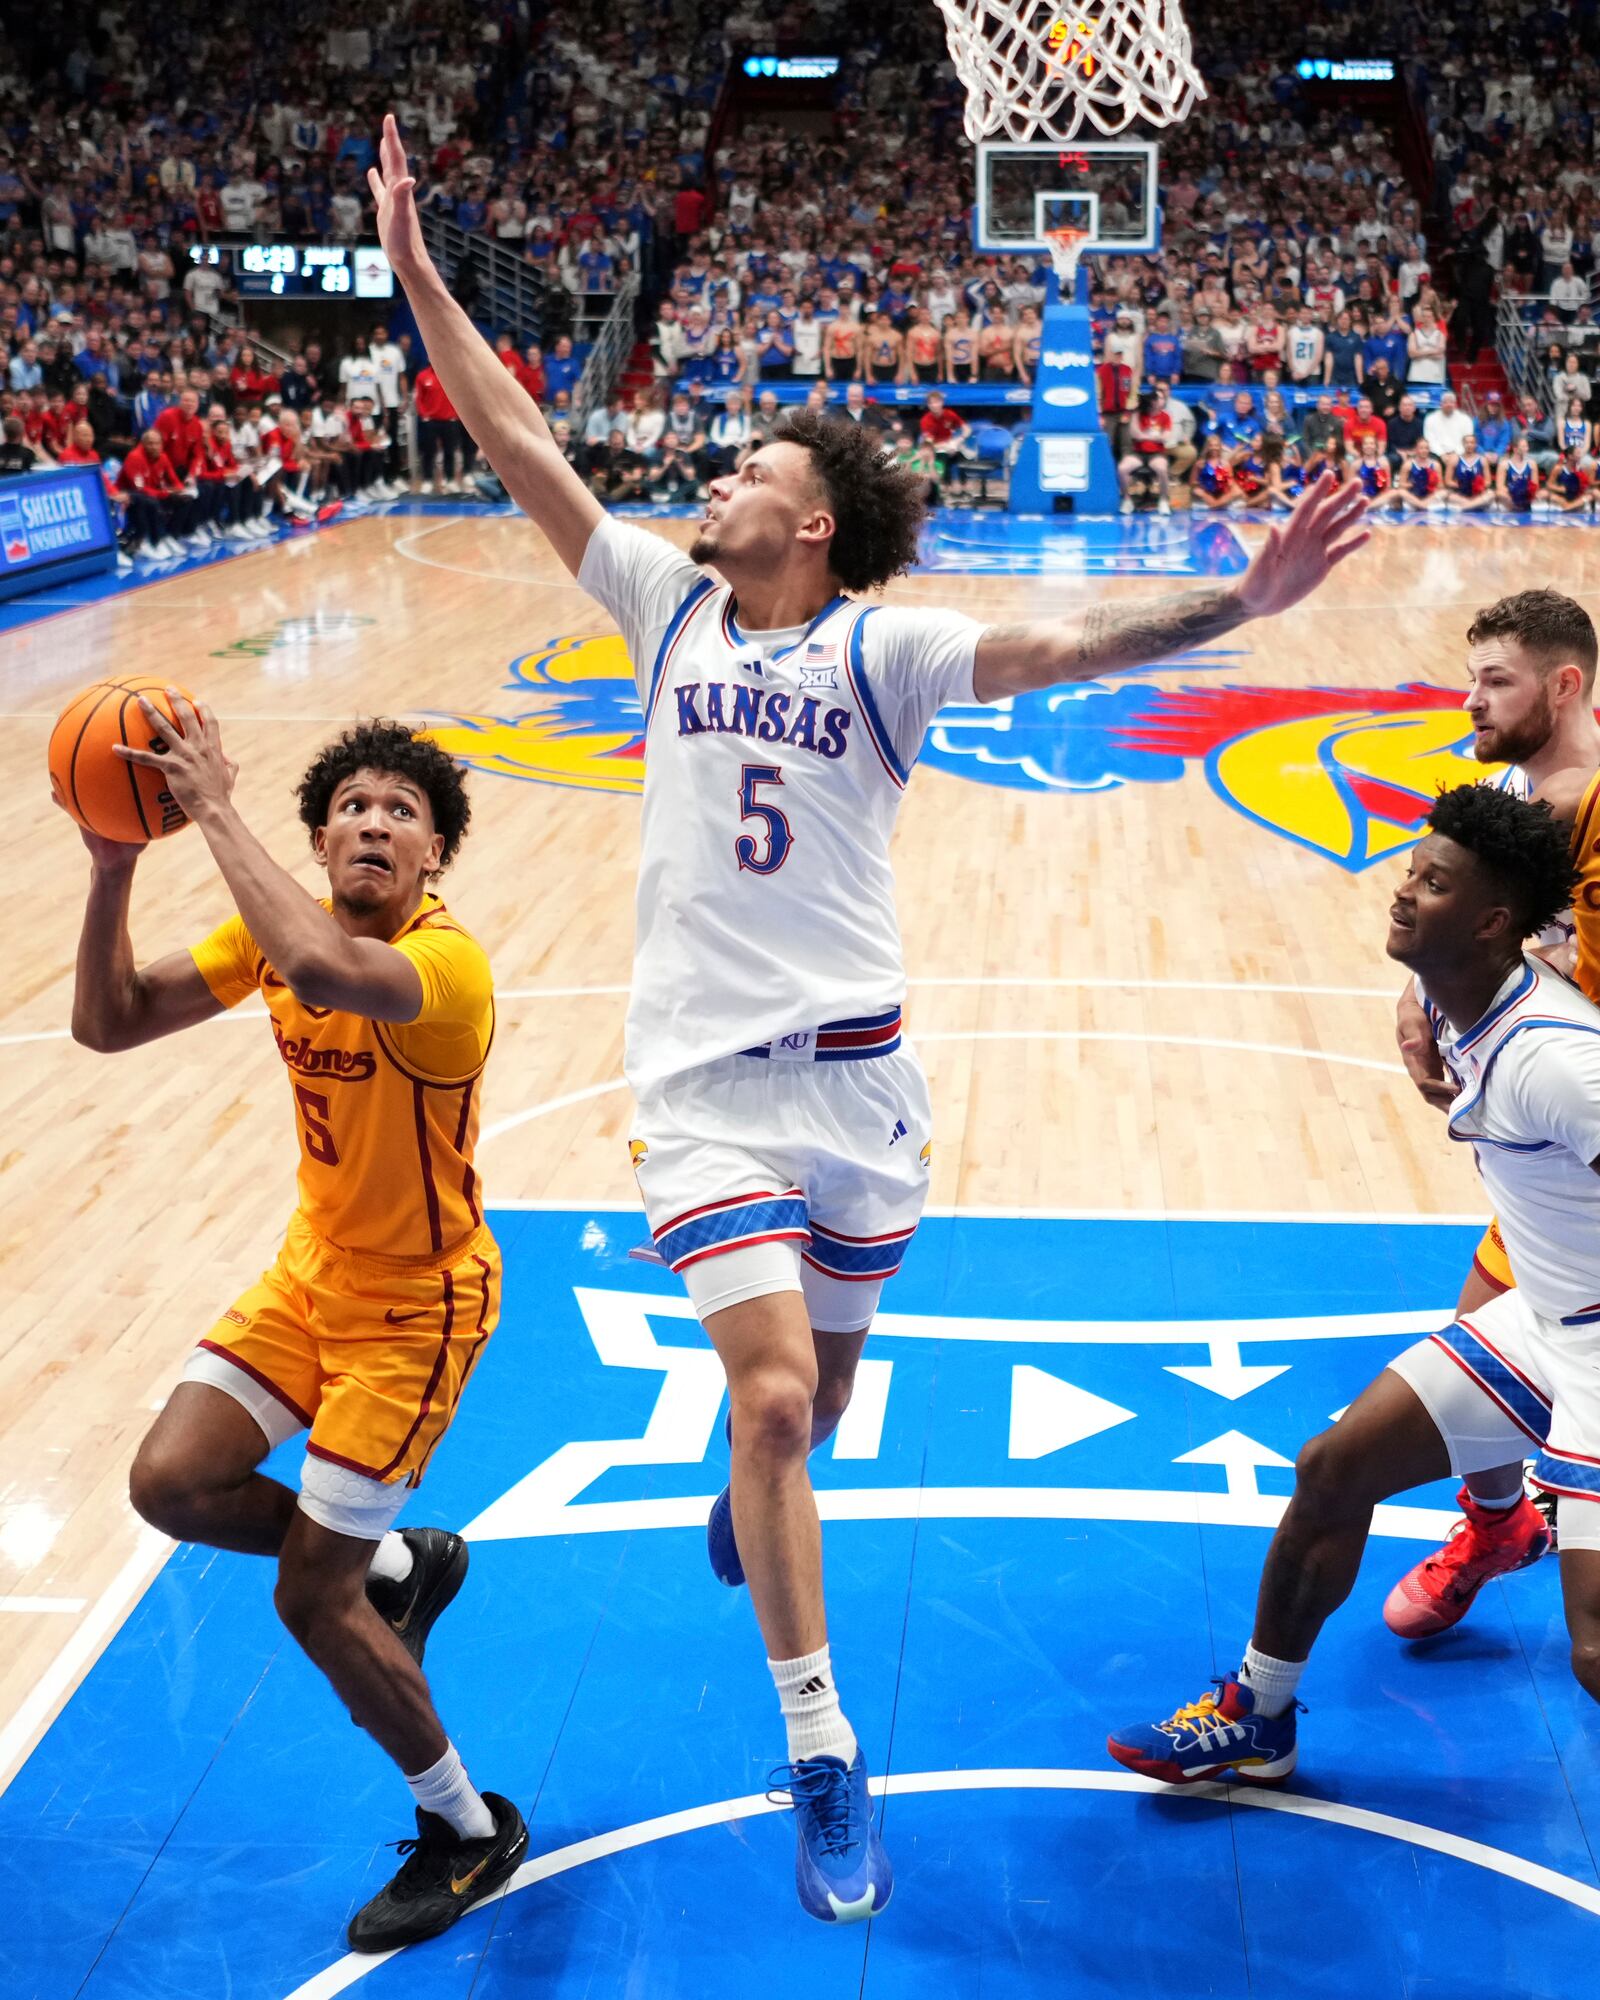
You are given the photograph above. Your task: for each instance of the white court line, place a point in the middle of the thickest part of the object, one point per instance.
(1162, 1040)
(333, 723)
(561, 1103)
(533, 1111)
(1153, 1506)
(983, 1211)
(45, 1700)
(71, 1605)
(354, 1966)
(1041, 983)
(402, 546)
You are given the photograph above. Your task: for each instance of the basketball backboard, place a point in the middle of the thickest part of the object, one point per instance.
(1108, 187)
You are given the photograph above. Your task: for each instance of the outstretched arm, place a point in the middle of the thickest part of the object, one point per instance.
(1324, 528)
(501, 416)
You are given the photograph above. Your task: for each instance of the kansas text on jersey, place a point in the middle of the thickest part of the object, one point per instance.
(775, 765)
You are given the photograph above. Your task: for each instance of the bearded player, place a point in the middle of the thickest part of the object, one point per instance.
(1531, 669)
(783, 1126)
(366, 1329)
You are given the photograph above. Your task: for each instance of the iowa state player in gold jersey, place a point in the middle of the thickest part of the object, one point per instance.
(366, 1329)
(1531, 671)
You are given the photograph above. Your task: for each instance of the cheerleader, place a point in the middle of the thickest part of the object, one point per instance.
(1421, 480)
(1468, 486)
(1372, 470)
(1212, 483)
(1286, 476)
(1516, 484)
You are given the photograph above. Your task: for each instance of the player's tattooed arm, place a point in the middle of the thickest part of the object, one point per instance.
(1326, 526)
(1106, 639)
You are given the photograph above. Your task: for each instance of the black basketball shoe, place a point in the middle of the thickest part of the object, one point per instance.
(440, 1879)
(438, 1570)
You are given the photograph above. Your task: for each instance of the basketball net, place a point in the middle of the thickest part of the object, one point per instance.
(1032, 68)
(1066, 247)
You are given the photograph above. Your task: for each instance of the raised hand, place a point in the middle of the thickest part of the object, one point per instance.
(1420, 1054)
(197, 771)
(394, 190)
(111, 857)
(1328, 525)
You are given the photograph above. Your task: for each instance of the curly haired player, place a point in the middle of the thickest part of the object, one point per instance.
(1531, 667)
(367, 1327)
(1521, 1044)
(783, 1131)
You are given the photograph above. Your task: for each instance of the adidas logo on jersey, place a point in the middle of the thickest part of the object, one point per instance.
(899, 1131)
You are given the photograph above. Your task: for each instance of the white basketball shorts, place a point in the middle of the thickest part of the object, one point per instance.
(1503, 1383)
(788, 1171)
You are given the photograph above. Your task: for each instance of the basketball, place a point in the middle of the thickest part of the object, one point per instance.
(102, 791)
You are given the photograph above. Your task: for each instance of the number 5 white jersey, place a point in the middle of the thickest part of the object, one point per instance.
(775, 765)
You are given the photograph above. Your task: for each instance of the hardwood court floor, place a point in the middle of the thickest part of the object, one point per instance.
(1153, 987)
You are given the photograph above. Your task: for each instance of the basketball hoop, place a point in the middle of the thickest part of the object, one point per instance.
(1034, 69)
(1066, 247)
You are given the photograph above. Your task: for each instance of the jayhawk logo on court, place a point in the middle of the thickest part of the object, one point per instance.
(587, 728)
(1347, 772)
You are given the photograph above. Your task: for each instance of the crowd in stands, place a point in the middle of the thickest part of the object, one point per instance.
(198, 441)
(1302, 266)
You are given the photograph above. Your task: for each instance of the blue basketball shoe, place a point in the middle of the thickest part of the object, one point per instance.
(1218, 1736)
(840, 1867)
(720, 1544)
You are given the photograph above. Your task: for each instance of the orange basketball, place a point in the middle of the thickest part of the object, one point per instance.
(104, 792)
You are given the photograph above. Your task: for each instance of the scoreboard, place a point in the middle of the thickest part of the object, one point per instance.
(303, 270)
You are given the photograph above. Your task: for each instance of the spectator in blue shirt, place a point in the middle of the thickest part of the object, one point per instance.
(561, 369)
(1343, 361)
(1237, 423)
(25, 372)
(356, 150)
(1163, 352)
(1389, 338)
(1495, 428)
(151, 400)
(92, 362)
(594, 270)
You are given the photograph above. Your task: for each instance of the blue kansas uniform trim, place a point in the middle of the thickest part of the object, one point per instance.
(679, 618)
(858, 1257)
(1508, 1389)
(869, 708)
(730, 1225)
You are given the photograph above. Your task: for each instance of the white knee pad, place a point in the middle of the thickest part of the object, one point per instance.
(349, 1503)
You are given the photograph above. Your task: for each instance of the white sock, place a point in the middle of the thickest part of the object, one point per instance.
(391, 1559)
(1498, 1503)
(444, 1788)
(811, 1712)
(1271, 1682)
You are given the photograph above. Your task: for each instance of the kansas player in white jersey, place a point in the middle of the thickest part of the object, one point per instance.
(783, 1132)
(1531, 662)
(1521, 1046)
